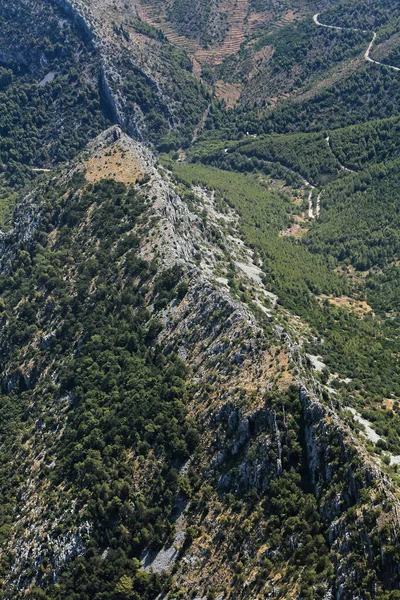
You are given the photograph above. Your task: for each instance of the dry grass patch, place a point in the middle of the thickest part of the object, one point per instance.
(388, 403)
(117, 163)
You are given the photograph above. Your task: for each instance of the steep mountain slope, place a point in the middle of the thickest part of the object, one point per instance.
(147, 83)
(123, 453)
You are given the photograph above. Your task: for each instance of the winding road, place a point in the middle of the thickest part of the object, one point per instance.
(368, 50)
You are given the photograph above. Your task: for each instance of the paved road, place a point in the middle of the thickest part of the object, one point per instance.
(368, 50)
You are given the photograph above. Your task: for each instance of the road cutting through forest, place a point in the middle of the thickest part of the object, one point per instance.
(368, 50)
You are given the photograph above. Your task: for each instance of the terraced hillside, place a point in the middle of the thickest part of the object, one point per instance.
(247, 41)
(208, 50)
(212, 32)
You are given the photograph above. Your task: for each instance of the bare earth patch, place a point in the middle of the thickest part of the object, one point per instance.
(388, 403)
(359, 307)
(297, 229)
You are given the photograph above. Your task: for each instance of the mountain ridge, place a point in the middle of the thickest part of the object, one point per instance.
(235, 355)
